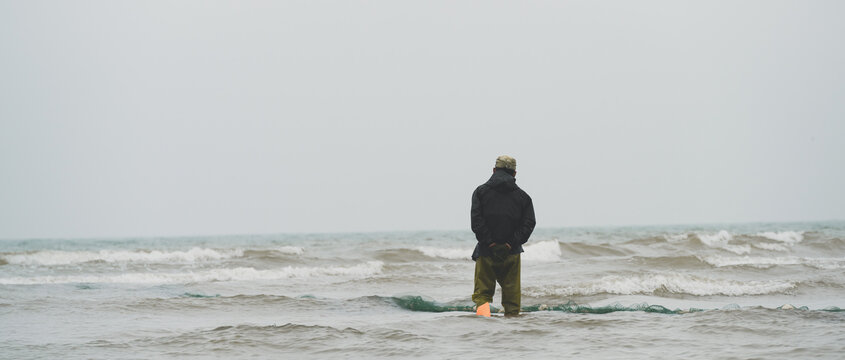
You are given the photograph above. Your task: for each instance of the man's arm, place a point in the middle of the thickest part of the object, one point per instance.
(526, 226)
(482, 234)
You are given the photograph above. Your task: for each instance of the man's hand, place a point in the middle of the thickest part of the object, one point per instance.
(506, 244)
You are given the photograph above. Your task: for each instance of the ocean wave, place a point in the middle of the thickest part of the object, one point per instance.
(418, 303)
(543, 251)
(721, 240)
(758, 262)
(408, 302)
(770, 246)
(788, 237)
(670, 262)
(193, 255)
(58, 257)
(446, 253)
(227, 274)
(675, 238)
(289, 250)
(768, 262)
(203, 301)
(670, 283)
(239, 330)
(249, 340)
(592, 250)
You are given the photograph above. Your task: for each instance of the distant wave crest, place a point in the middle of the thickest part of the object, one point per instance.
(788, 237)
(671, 283)
(721, 240)
(57, 257)
(543, 251)
(446, 253)
(194, 255)
(767, 262)
(212, 275)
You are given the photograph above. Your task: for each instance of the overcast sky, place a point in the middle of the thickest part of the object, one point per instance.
(156, 118)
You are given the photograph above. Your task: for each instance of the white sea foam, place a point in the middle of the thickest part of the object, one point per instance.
(223, 274)
(825, 263)
(721, 240)
(789, 237)
(758, 262)
(768, 262)
(290, 250)
(543, 251)
(446, 253)
(770, 246)
(57, 257)
(673, 283)
(673, 238)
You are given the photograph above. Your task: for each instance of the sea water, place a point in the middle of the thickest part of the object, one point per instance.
(693, 292)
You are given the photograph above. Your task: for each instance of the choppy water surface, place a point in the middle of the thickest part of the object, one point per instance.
(730, 291)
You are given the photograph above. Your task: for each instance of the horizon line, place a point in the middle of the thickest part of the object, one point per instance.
(294, 233)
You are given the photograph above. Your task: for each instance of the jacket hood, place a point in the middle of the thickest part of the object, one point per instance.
(502, 182)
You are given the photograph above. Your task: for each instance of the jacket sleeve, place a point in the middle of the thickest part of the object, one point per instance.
(482, 233)
(526, 226)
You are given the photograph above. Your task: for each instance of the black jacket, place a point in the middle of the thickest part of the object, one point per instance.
(501, 213)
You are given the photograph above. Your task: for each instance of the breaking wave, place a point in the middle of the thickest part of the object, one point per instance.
(227, 274)
(57, 257)
(543, 251)
(767, 262)
(446, 253)
(788, 237)
(664, 283)
(770, 246)
(289, 250)
(674, 238)
(194, 255)
(721, 240)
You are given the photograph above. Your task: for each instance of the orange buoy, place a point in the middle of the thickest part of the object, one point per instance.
(483, 310)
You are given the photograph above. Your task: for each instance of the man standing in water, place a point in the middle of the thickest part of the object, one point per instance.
(502, 219)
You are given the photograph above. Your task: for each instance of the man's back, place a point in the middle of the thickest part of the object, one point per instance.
(501, 213)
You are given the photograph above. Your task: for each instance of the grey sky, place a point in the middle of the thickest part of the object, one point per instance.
(122, 118)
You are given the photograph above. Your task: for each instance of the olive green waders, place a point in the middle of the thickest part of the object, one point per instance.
(504, 268)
